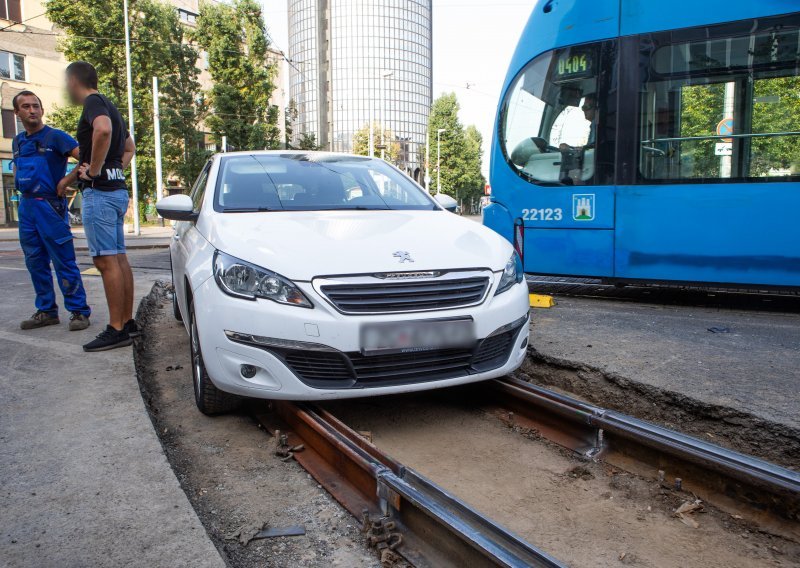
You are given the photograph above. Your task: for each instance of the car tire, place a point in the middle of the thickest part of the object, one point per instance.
(176, 308)
(208, 398)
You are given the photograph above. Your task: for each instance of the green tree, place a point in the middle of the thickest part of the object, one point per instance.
(93, 32)
(308, 142)
(361, 143)
(460, 151)
(235, 39)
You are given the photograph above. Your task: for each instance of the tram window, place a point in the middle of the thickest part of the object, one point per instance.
(721, 108)
(550, 117)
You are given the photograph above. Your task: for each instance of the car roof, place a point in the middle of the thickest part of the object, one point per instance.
(311, 153)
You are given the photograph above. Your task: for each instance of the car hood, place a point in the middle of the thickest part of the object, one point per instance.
(304, 244)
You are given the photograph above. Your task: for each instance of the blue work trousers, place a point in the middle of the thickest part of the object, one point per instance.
(45, 237)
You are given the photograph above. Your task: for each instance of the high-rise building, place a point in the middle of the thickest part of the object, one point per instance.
(360, 62)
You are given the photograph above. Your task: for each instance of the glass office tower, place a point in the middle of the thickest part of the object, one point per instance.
(356, 61)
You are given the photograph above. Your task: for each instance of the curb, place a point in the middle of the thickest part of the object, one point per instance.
(130, 247)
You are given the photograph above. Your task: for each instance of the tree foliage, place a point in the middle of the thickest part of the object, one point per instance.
(461, 175)
(775, 108)
(93, 32)
(379, 136)
(235, 40)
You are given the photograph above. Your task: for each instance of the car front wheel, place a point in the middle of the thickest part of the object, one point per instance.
(209, 399)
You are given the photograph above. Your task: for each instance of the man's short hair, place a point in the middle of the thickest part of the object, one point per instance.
(84, 73)
(15, 100)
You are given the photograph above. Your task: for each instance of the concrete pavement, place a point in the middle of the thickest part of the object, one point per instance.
(83, 478)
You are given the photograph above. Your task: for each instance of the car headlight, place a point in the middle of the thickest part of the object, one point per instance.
(244, 280)
(512, 274)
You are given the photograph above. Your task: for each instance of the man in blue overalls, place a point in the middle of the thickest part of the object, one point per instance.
(40, 164)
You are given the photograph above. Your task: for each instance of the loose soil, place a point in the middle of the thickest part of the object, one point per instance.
(227, 467)
(583, 513)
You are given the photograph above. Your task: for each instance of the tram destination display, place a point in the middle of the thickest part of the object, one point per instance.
(570, 64)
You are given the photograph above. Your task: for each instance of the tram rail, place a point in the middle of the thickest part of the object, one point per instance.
(407, 516)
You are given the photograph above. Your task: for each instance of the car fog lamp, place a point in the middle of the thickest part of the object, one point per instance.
(248, 371)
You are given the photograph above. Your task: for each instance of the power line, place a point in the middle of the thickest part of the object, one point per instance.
(12, 24)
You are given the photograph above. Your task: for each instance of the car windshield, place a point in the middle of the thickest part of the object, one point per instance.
(314, 182)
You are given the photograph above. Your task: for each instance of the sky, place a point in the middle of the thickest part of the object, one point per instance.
(473, 41)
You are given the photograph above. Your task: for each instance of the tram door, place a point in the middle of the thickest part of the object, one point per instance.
(557, 136)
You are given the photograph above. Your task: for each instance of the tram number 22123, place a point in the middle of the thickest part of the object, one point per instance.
(542, 214)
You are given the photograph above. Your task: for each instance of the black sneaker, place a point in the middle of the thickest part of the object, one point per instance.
(110, 338)
(39, 319)
(132, 328)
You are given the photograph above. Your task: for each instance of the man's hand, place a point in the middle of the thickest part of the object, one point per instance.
(61, 188)
(83, 172)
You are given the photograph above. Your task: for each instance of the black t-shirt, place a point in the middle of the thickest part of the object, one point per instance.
(112, 176)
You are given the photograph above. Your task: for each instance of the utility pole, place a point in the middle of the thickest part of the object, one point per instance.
(439, 160)
(428, 160)
(134, 181)
(385, 75)
(157, 141)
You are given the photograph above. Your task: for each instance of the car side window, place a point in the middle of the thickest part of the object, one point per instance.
(199, 188)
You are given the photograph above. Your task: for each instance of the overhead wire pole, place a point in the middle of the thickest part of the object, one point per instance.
(134, 181)
(157, 137)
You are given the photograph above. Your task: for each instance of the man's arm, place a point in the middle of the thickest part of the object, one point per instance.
(130, 150)
(71, 177)
(101, 141)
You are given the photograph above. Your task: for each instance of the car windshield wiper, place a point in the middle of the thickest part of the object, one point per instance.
(247, 209)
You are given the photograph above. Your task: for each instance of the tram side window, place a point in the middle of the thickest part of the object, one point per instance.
(551, 115)
(723, 107)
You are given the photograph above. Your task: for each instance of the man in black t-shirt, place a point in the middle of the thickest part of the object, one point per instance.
(106, 149)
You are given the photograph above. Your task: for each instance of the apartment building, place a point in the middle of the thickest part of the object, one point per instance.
(31, 61)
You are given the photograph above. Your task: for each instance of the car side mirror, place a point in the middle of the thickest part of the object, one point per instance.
(446, 201)
(177, 208)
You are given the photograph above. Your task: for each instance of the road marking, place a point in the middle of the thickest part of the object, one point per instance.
(91, 272)
(12, 268)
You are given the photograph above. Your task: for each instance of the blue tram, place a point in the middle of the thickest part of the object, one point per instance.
(649, 141)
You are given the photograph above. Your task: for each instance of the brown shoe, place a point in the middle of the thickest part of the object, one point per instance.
(78, 322)
(39, 319)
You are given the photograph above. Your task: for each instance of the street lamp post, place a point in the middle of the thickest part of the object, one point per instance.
(134, 181)
(385, 75)
(439, 160)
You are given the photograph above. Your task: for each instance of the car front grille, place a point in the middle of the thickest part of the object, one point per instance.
(366, 295)
(335, 369)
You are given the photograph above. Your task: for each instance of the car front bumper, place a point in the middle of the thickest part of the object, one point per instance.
(279, 342)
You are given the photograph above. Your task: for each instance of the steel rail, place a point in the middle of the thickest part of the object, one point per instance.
(598, 432)
(403, 512)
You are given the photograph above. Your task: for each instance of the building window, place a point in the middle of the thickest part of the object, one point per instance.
(184, 15)
(12, 65)
(11, 124)
(11, 10)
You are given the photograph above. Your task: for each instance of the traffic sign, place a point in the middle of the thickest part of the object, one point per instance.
(725, 128)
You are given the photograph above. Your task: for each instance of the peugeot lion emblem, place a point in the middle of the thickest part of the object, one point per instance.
(403, 256)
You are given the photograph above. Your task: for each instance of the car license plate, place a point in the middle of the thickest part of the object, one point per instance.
(413, 336)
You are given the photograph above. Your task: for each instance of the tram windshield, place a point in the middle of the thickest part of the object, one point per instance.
(551, 117)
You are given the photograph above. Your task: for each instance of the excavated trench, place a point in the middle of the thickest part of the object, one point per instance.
(584, 513)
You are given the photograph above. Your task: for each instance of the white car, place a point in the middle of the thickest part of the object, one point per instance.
(314, 276)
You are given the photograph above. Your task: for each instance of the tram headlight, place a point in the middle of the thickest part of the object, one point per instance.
(512, 274)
